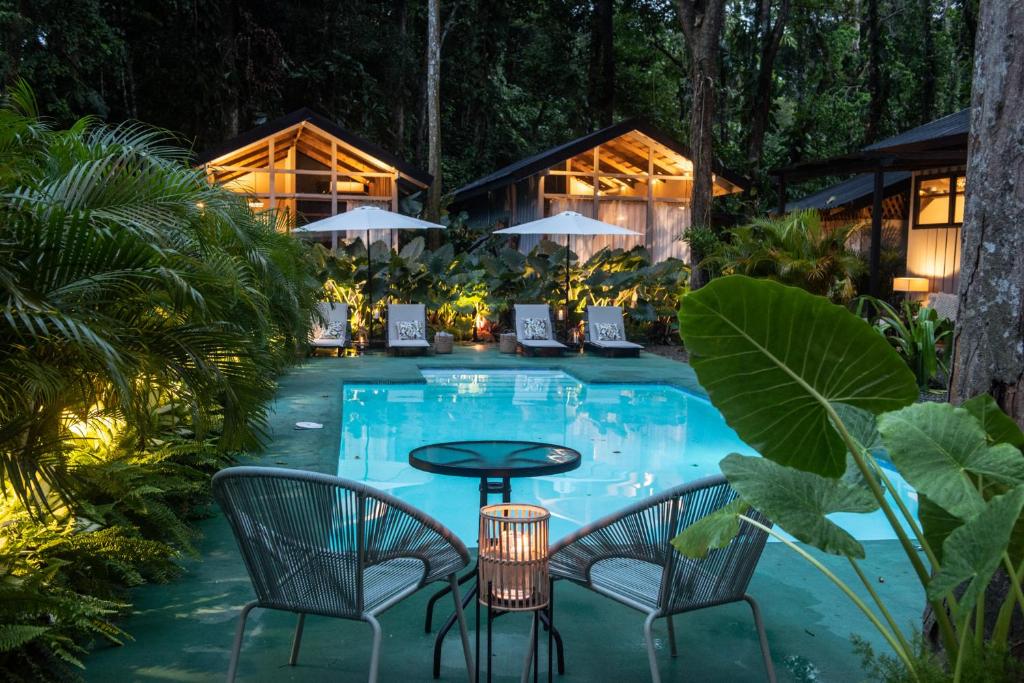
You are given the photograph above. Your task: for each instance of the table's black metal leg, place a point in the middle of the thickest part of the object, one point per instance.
(449, 622)
(476, 674)
(440, 594)
(536, 659)
(559, 649)
(506, 490)
(490, 607)
(551, 621)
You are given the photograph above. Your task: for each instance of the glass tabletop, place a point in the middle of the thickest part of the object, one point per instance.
(485, 459)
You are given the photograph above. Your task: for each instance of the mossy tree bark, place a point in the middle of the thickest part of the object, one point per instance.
(989, 341)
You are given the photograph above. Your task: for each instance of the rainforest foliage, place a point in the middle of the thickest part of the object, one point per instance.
(798, 80)
(143, 317)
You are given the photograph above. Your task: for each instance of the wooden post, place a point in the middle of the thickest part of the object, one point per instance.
(272, 180)
(649, 226)
(334, 177)
(875, 254)
(597, 212)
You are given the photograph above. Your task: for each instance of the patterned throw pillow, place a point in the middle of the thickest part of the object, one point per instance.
(608, 332)
(334, 330)
(535, 328)
(410, 330)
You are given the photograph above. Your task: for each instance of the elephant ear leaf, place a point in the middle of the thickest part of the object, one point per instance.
(999, 426)
(799, 501)
(972, 552)
(936, 447)
(712, 531)
(774, 359)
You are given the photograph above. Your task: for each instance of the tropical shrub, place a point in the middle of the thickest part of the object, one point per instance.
(915, 331)
(464, 290)
(795, 249)
(826, 401)
(143, 317)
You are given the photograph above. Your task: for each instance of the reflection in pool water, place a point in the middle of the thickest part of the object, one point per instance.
(635, 439)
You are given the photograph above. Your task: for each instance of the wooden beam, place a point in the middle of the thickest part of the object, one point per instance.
(875, 254)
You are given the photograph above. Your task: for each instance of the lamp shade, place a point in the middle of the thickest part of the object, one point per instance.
(910, 284)
(513, 554)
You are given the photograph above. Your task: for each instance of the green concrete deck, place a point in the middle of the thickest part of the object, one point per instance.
(183, 630)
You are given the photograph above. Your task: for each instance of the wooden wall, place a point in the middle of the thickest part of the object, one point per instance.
(934, 253)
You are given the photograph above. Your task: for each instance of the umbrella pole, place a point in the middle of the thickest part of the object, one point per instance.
(369, 293)
(568, 239)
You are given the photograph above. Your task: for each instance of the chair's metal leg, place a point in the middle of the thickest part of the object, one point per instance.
(762, 638)
(470, 668)
(375, 650)
(297, 640)
(651, 658)
(468, 576)
(236, 647)
(672, 637)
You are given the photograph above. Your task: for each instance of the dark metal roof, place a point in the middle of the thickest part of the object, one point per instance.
(538, 162)
(948, 131)
(852, 191)
(323, 123)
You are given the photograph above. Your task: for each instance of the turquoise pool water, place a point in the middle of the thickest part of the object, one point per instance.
(635, 439)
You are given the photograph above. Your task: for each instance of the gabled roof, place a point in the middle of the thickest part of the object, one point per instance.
(524, 168)
(949, 131)
(325, 124)
(852, 191)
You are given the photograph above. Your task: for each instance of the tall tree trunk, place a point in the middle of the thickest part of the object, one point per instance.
(702, 27)
(398, 112)
(990, 326)
(927, 99)
(875, 89)
(602, 63)
(769, 37)
(433, 208)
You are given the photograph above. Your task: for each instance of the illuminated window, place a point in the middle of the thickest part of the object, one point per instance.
(939, 201)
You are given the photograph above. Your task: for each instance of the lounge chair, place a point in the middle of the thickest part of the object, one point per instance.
(317, 544)
(606, 331)
(627, 557)
(534, 329)
(407, 328)
(333, 333)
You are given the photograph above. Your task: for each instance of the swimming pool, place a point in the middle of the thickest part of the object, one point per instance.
(635, 440)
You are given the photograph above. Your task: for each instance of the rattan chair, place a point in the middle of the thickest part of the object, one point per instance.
(627, 557)
(317, 544)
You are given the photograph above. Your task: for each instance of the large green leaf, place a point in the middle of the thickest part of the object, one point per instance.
(935, 446)
(936, 524)
(712, 531)
(799, 501)
(773, 358)
(999, 426)
(972, 552)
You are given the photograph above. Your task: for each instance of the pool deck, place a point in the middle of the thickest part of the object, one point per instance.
(183, 630)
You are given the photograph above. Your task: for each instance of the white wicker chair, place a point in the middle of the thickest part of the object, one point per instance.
(317, 544)
(524, 312)
(334, 315)
(608, 315)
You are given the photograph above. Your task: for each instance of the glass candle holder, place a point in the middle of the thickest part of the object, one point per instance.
(513, 553)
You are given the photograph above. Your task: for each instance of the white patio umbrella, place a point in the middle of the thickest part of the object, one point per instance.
(365, 219)
(567, 223)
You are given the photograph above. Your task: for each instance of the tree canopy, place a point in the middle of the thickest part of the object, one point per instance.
(516, 76)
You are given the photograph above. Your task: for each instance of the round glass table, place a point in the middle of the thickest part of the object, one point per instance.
(489, 461)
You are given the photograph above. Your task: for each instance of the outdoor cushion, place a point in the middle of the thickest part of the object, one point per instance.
(618, 344)
(543, 343)
(410, 330)
(608, 332)
(410, 343)
(535, 328)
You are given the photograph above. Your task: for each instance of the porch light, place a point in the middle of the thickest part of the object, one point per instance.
(349, 187)
(910, 284)
(514, 556)
(255, 204)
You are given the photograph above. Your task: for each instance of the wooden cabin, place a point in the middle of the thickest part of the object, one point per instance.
(628, 174)
(917, 180)
(319, 169)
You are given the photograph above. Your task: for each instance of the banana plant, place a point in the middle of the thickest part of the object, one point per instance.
(825, 400)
